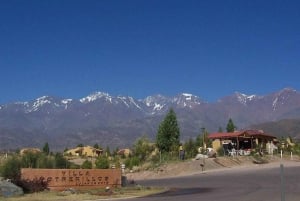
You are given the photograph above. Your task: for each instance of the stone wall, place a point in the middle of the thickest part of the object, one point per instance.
(75, 178)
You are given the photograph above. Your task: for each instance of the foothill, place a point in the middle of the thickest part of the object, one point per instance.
(98, 172)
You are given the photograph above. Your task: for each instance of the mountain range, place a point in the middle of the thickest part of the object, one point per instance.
(117, 121)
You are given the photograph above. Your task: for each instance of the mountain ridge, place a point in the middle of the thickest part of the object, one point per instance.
(119, 120)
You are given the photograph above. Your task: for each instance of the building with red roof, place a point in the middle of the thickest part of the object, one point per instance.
(244, 141)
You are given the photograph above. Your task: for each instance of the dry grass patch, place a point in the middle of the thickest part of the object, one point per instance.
(88, 195)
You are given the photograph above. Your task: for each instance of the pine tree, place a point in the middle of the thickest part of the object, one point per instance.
(46, 149)
(167, 139)
(230, 126)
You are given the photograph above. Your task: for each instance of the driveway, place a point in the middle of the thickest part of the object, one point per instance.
(255, 183)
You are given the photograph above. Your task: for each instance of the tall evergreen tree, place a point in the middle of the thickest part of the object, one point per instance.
(96, 146)
(46, 148)
(168, 134)
(230, 126)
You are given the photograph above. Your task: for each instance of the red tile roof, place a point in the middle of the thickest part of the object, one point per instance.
(244, 133)
(224, 135)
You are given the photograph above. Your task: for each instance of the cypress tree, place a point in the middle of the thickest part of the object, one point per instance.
(230, 126)
(168, 134)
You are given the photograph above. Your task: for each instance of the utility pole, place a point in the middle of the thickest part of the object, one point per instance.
(203, 132)
(203, 144)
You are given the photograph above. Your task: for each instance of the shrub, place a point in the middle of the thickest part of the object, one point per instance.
(132, 161)
(87, 165)
(11, 169)
(102, 163)
(33, 186)
(220, 151)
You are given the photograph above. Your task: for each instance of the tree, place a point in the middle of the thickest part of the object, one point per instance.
(230, 126)
(191, 148)
(11, 169)
(30, 160)
(80, 145)
(102, 162)
(142, 148)
(168, 134)
(46, 148)
(107, 151)
(60, 162)
(96, 146)
(87, 165)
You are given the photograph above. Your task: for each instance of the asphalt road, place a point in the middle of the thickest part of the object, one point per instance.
(259, 183)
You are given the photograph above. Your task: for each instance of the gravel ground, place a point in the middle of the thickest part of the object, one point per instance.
(190, 167)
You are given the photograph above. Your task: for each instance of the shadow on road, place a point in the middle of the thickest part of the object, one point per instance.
(182, 191)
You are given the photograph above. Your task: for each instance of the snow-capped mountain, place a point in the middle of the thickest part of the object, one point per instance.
(118, 120)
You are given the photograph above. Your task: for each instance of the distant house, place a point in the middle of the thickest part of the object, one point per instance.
(124, 152)
(84, 151)
(243, 140)
(30, 150)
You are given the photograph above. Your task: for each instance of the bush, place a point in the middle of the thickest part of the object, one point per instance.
(11, 169)
(220, 151)
(32, 186)
(131, 162)
(102, 163)
(87, 165)
(155, 158)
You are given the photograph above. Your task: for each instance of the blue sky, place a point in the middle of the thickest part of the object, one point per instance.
(71, 48)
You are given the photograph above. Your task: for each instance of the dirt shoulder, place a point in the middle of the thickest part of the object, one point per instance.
(190, 167)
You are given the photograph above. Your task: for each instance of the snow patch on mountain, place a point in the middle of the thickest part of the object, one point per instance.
(187, 100)
(274, 104)
(134, 103)
(158, 106)
(95, 96)
(188, 96)
(156, 103)
(66, 102)
(281, 97)
(243, 98)
(128, 101)
(40, 102)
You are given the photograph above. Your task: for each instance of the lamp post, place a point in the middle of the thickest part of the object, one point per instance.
(203, 158)
(203, 132)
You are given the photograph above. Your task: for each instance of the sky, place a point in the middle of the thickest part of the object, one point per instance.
(139, 48)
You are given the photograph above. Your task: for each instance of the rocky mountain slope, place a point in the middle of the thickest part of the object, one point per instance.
(117, 121)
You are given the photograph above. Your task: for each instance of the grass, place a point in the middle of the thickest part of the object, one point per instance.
(88, 195)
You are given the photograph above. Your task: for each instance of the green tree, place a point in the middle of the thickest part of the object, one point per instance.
(80, 145)
(190, 148)
(60, 161)
(102, 162)
(46, 148)
(107, 151)
(131, 162)
(199, 141)
(96, 146)
(167, 139)
(11, 169)
(45, 161)
(87, 165)
(230, 126)
(30, 160)
(142, 148)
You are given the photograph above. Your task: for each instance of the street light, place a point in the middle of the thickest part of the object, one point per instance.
(203, 158)
(203, 131)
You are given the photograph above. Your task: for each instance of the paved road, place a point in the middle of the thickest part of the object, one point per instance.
(258, 184)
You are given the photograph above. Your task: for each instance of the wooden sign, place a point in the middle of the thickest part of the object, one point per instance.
(75, 178)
